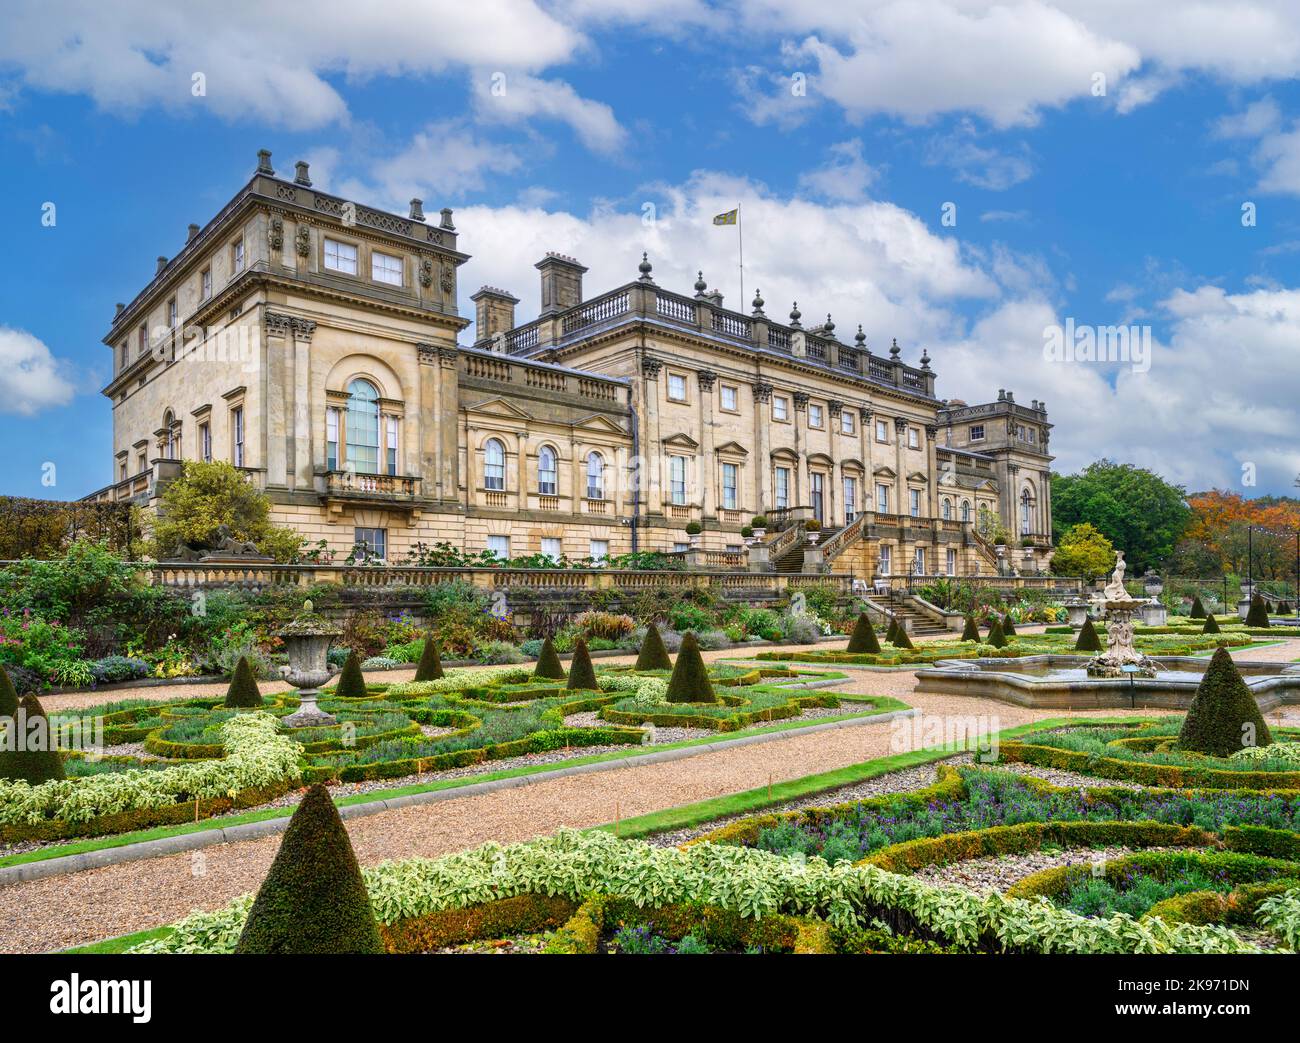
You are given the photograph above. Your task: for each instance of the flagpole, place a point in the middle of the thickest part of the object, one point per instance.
(740, 238)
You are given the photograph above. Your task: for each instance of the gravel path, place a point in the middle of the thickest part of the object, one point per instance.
(70, 910)
(998, 872)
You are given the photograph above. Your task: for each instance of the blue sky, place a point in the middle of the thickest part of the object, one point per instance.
(842, 129)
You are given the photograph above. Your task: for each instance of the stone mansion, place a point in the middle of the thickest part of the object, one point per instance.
(315, 343)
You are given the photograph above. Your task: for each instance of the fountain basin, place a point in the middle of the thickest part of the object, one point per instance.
(1062, 682)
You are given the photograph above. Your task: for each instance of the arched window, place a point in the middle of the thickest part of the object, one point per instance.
(947, 509)
(494, 465)
(965, 510)
(1026, 512)
(363, 428)
(169, 425)
(595, 476)
(548, 473)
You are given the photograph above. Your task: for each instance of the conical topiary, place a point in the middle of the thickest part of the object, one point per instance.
(429, 667)
(581, 673)
(8, 695)
(1088, 641)
(996, 637)
(690, 680)
(243, 693)
(863, 640)
(1211, 626)
(901, 637)
(1197, 610)
(1008, 626)
(971, 631)
(1224, 716)
(891, 631)
(313, 900)
(33, 755)
(548, 663)
(352, 682)
(1258, 614)
(653, 655)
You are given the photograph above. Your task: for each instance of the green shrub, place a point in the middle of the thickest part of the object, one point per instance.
(352, 685)
(581, 673)
(243, 692)
(313, 900)
(430, 665)
(901, 638)
(997, 638)
(31, 766)
(499, 653)
(548, 662)
(864, 636)
(690, 617)
(1257, 616)
(891, 631)
(971, 631)
(1088, 641)
(653, 655)
(8, 697)
(690, 679)
(1211, 626)
(1224, 717)
(1008, 626)
(1197, 609)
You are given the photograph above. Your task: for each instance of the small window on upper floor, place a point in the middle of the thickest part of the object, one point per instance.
(172, 316)
(730, 400)
(386, 268)
(237, 256)
(676, 387)
(977, 432)
(340, 257)
(814, 415)
(882, 431)
(913, 438)
(205, 284)
(780, 407)
(846, 422)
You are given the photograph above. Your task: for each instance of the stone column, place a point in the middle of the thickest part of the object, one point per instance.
(802, 475)
(303, 448)
(652, 482)
(708, 476)
(278, 389)
(430, 443)
(762, 401)
(867, 436)
(835, 493)
(900, 471)
(448, 421)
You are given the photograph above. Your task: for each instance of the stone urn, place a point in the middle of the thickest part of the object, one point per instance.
(1120, 659)
(307, 639)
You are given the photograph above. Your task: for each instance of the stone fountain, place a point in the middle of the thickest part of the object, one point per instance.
(307, 639)
(1120, 659)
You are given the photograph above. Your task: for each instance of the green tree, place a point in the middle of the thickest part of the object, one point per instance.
(971, 631)
(548, 663)
(208, 495)
(1134, 508)
(429, 667)
(42, 762)
(689, 682)
(1224, 716)
(1087, 641)
(863, 639)
(653, 655)
(243, 692)
(581, 673)
(352, 682)
(1083, 551)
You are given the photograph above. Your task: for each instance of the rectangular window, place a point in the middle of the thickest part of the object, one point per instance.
(600, 551)
(886, 559)
(237, 436)
(782, 488)
(142, 340)
(171, 313)
(846, 422)
(370, 543)
(205, 284)
(952, 562)
(918, 562)
(499, 547)
(142, 463)
(340, 257)
(551, 547)
(882, 431)
(386, 268)
(729, 399)
(850, 500)
(913, 438)
(814, 416)
(237, 256)
(331, 439)
(676, 387)
(681, 548)
(677, 478)
(780, 408)
(121, 471)
(882, 498)
(123, 355)
(977, 432)
(730, 473)
(205, 443)
(914, 502)
(390, 443)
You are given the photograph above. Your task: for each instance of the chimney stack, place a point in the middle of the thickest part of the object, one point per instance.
(300, 174)
(417, 210)
(561, 282)
(162, 263)
(192, 233)
(494, 312)
(264, 162)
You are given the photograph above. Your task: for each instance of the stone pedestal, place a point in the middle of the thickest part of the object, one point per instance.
(307, 640)
(1154, 614)
(1078, 612)
(758, 558)
(1120, 659)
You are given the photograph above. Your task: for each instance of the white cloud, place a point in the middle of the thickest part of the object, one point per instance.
(979, 165)
(1255, 120)
(846, 175)
(31, 378)
(515, 98)
(1276, 152)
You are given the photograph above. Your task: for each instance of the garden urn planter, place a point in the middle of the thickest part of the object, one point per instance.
(307, 641)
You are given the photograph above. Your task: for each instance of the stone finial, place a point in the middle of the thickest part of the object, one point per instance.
(1011, 396)
(191, 233)
(162, 263)
(264, 162)
(795, 315)
(1002, 394)
(925, 359)
(758, 303)
(700, 284)
(894, 349)
(645, 268)
(860, 339)
(301, 175)
(829, 328)
(446, 219)
(417, 210)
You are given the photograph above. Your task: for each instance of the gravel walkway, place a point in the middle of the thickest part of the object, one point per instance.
(998, 872)
(58, 912)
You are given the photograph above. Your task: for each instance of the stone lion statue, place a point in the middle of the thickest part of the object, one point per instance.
(226, 543)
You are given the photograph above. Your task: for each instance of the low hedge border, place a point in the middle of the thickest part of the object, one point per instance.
(742, 719)
(1169, 776)
(1234, 867)
(521, 914)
